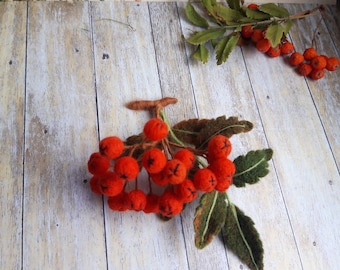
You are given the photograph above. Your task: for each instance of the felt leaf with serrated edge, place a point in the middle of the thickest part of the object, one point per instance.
(274, 10)
(209, 217)
(241, 237)
(208, 4)
(225, 46)
(201, 54)
(194, 17)
(226, 14)
(256, 14)
(224, 126)
(234, 4)
(251, 167)
(188, 130)
(274, 34)
(205, 35)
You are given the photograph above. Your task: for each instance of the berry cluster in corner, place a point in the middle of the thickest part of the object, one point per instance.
(176, 169)
(310, 63)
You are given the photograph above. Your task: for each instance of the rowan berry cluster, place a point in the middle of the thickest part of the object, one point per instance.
(175, 169)
(310, 63)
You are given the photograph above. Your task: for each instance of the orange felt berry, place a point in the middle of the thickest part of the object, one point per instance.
(98, 164)
(304, 69)
(296, 59)
(119, 203)
(127, 168)
(309, 54)
(247, 31)
(137, 199)
(94, 185)
(152, 205)
(263, 45)
(187, 157)
(219, 146)
(159, 178)
(274, 52)
(205, 180)
(253, 6)
(154, 160)
(155, 129)
(169, 204)
(317, 74)
(175, 171)
(287, 48)
(186, 191)
(333, 63)
(222, 167)
(224, 183)
(319, 62)
(111, 147)
(111, 184)
(257, 35)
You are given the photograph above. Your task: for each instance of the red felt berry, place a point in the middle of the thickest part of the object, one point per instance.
(127, 168)
(219, 146)
(187, 157)
(274, 52)
(247, 31)
(155, 129)
(119, 203)
(253, 6)
(317, 74)
(152, 205)
(159, 178)
(137, 199)
(287, 48)
(111, 147)
(154, 160)
(304, 69)
(94, 184)
(205, 180)
(318, 62)
(175, 171)
(309, 54)
(186, 191)
(224, 183)
(333, 63)
(169, 204)
(111, 184)
(222, 167)
(257, 35)
(296, 59)
(98, 164)
(263, 45)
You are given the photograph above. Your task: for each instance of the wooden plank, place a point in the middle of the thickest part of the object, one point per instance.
(325, 92)
(226, 90)
(63, 220)
(175, 81)
(127, 72)
(12, 89)
(303, 160)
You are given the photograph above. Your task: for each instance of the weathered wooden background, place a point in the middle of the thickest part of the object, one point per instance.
(67, 69)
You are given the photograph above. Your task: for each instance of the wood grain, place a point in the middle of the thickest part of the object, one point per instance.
(12, 98)
(63, 221)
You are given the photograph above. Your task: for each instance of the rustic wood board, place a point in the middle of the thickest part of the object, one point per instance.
(12, 98)
(83, 62)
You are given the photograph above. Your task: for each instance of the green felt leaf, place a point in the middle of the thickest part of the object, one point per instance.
(226, 14)
(241, 237)
(221, 125)
(209, 218)
(201, 54)
(205, 35)
(234, 4)
(256, 14)
(251, 167)
(225, 46)
(274, 34)
(208, 4)
(194, 17)
(287, 26)
(274, 10)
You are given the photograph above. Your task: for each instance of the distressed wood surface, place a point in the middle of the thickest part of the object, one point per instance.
(63, 86)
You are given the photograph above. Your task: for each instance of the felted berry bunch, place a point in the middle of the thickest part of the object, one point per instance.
(175, 167)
